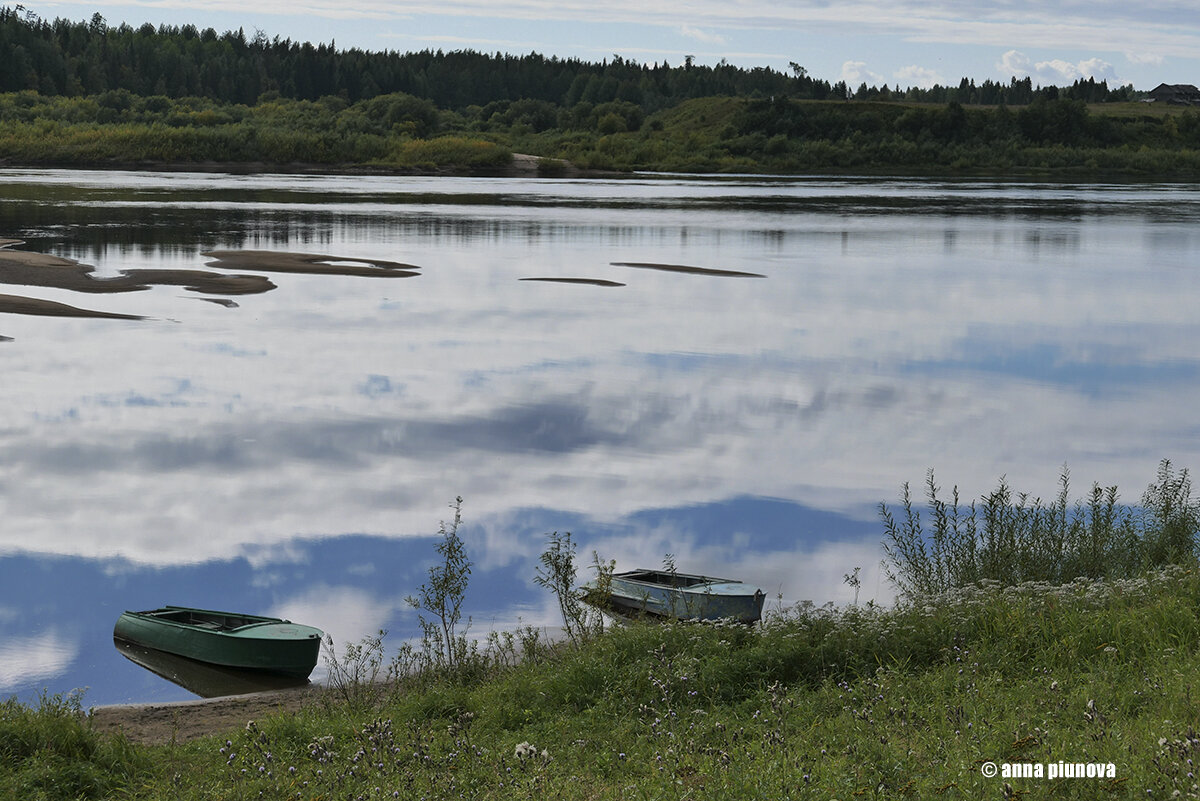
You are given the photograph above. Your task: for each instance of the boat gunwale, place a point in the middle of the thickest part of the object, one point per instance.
(256, 621)
(703, 585)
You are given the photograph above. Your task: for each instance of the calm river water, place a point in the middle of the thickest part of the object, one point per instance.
(733, 371)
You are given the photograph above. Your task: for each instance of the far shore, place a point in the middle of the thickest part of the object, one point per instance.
(522, 165)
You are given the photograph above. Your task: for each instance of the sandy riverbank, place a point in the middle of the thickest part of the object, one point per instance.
(182, 721)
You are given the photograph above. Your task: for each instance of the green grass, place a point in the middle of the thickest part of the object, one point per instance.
(817, 703)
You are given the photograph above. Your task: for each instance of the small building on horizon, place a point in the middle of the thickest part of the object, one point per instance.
(1177, 94)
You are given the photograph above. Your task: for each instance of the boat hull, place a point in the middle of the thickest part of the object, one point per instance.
(683, 597)
(222, 638)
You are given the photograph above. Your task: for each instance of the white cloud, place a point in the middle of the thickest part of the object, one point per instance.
(1096, 68)
(692, 32)
(1055, 72)
(469, 42)
(856, 72)
(1015, 63)
(1144, 58)
(819, 576)
(918, 76)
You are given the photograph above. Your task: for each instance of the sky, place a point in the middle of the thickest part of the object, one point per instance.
(905, 43)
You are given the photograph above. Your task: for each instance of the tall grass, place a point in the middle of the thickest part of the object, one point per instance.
(49, 752)
(1012, 537)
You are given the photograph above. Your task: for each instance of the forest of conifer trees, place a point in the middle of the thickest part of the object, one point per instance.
(76, 58)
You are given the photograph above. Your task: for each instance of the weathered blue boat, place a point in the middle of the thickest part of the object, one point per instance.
(230, 639)
(683, 596)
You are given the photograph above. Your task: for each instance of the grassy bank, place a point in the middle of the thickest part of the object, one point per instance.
(402, 133)
(861, 703)
(1092, 678)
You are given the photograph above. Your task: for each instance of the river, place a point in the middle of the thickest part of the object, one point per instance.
(734, 371)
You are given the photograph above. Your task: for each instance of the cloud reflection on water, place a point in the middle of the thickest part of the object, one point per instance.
(981, 329)
(352, 586)
(29, 660)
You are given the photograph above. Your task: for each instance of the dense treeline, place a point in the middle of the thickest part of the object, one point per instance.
(993, 93)
(76, 58)
(1041, 123)
(791, 137)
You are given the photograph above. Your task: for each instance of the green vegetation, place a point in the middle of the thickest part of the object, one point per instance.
(48, 752)
(91, 95)
(582, 619)
(1014, 538)
(443, 643)
(865, 702)
(123, 129)
(914, 701)
(723, 134)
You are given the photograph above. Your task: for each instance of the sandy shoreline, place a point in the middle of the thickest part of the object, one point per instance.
(183, 721)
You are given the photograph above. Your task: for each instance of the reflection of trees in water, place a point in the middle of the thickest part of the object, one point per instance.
(99, 228)
(87, 230)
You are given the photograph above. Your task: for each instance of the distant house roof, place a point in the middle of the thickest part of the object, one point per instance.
(1180, 93)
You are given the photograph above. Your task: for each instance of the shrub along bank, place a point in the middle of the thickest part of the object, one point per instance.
(401, 132)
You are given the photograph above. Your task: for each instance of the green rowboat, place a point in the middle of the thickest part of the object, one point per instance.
(230, 639)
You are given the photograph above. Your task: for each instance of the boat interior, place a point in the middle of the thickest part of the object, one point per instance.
(203, 620)
(665, 579)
